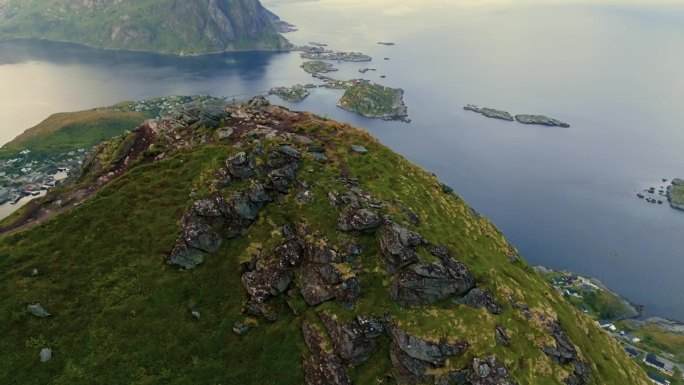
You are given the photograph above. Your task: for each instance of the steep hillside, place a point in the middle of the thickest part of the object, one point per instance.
(174, 26)
(276, 247)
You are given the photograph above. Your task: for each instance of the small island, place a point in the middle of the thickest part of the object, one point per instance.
(296, 93)
(386, 43)
(317, 54)
(675, 194)
(489, 112)
(318, 67)
(375, 101)
(540, 120)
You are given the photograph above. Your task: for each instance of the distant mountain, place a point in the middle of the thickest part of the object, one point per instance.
(249, 244)
(169, 26)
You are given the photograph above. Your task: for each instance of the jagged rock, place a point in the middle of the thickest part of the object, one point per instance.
(581, 375)
(195, 115)
(354, 342)
(413, 357)
(358, 219)
(184, 256)
(199, 235)
(482, 298)
(266, 281)
(290, 253)
(301, 139)
(501, 335)
(225, 133)
(564, 352)
(321, 282)
(45, 355)
(488, 371)
(321, 368)
(37, 310)
(398, 246)
(337, 200)
(321, 254)
(214, 206)
(429, 283)
(241, 166)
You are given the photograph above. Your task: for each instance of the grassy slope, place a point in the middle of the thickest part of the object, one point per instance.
(149, 19)
(122, 316)
(68, 131)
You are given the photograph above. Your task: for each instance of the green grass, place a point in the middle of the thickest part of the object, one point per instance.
(122, 316)
(69, 131)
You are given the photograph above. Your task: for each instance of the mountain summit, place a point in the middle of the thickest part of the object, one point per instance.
(173, 26)
(250, 244)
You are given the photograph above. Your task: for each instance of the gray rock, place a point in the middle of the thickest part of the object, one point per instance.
(315, 149)
(414, 358)
(564, 351)
(301, 139)
(319, 157)
(45, 355)
(321, 368)
(199, 235)
(398, 246)
(196, 314)
(359, 149)
(353, 342)
(429, 283)
(488, 371)
(225, 133)
(357, 219)
(184, 256)
(241, 166)
(501, 335)
(480, 298)
(37, 310)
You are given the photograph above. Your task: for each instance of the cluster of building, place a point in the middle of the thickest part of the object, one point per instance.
(24, 176)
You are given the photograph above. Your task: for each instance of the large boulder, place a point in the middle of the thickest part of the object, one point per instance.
(321, 368)
(414, 359)
(354, 341)
(184, 256)
(321, 282)
(241, 166)
(480, 298)
(199, 235)
(355, 218)
(398, 246)
(428, 283)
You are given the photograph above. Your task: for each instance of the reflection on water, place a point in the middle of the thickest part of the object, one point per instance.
(564, 197)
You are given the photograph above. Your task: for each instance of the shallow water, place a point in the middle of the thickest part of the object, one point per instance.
(564, 197)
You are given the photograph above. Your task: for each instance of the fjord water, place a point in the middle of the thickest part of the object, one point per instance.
(566, 198)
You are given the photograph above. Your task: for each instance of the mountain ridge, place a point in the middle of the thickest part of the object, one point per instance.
(166, 26)
(351, 266)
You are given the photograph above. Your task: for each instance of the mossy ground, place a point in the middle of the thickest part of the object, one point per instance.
(122, 316)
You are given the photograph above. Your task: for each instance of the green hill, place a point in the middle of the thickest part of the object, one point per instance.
(169, 26)
(262, 248)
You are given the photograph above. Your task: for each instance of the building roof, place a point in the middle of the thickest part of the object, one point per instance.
(653, 360)
(632, 352)
(657, 379)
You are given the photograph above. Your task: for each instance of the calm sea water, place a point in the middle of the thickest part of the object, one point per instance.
(564, 197)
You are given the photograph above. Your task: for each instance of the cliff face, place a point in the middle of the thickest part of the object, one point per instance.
(249, 244)
(191, 26)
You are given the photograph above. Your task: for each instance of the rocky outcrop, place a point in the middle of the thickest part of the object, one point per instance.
(564, 352)
(356, 218)
(413, 358)
(398, 246)
(488, 371)
(321, 367)
(321, 282)
(197, 115)
(428, 283)
(480, 298)
(232, 215)
(354, 341)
